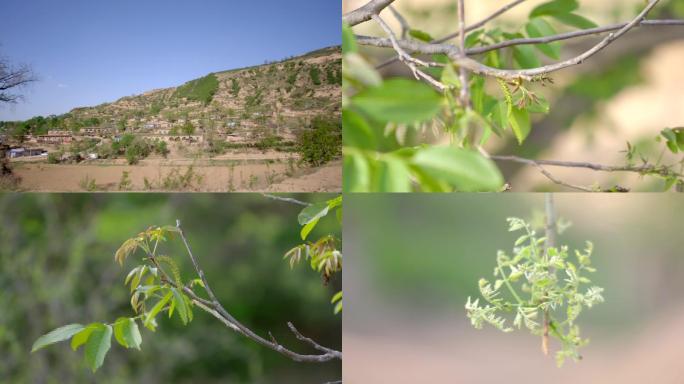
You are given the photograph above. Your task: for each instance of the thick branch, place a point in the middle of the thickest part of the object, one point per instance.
(365, 13)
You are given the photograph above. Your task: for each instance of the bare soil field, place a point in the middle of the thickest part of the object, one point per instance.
(207, 175)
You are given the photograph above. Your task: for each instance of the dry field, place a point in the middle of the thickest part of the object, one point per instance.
(254, 172)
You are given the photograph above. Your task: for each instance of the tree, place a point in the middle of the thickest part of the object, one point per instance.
(485, 84)
(13, 78)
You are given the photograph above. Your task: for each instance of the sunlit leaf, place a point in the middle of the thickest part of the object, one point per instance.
(399, 100)
(57, 335)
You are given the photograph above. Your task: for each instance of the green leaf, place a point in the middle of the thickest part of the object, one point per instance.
(525, 56)
(540, 106)
(420, 35)
(449, 77)
(312, 212)
(181, 305)
(554, 7)
(355, 68)
(391, 175)
(157, 307)
(574, 20)
(399, 100)
(81, 337)
(356, 132)
(57, 335)
(355, 171)
(127, 333)
(310, 215)
(538, 27)
(520, 123)
(466, 170)
(473, 38)
(348, 40)
(98, 345)
(308, 228)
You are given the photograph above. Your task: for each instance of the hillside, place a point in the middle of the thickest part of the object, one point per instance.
(239, 106)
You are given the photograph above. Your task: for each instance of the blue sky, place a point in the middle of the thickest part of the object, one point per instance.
(87, 52)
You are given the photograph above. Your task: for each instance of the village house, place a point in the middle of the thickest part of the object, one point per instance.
(96, 131)
(55, 137)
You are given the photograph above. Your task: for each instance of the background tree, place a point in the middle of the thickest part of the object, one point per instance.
(12, 78)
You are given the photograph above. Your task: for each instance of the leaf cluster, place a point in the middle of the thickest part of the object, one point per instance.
(324, 255)
(541, 287)
(152, 292)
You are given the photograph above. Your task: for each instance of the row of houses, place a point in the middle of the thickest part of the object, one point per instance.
(13, 153)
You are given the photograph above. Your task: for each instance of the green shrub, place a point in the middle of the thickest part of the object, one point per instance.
(235, 87)
(54, 157)
(161, 148)
(314, 73)
(321, 142)
(137, 150)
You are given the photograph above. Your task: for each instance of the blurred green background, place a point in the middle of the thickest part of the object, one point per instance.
(412, 260)
(57, 267)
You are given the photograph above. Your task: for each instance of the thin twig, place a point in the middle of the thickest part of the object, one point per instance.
(550, 229)
(467, 29)
(402, 21)
(641, 169)
(463, 73)
(570, 35)
(286, 199)
(407, 59)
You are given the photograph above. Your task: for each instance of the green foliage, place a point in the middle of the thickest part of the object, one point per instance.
(320, 142)
(188, 128)
(235, 86)
(161, 148)
(137, 149)
(324, 255)
(315, 75)
(202, 89)
(54, 157)
(544, 287)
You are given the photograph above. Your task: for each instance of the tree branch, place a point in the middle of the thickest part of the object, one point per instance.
(644, 169)
(463, 73)
(214, 307)
(570, 35)
(407, 59)
(365, 13)
(286, 199)
(460, 58)
(469, 28)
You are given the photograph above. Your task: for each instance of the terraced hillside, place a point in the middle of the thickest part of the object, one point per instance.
(273, 100)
